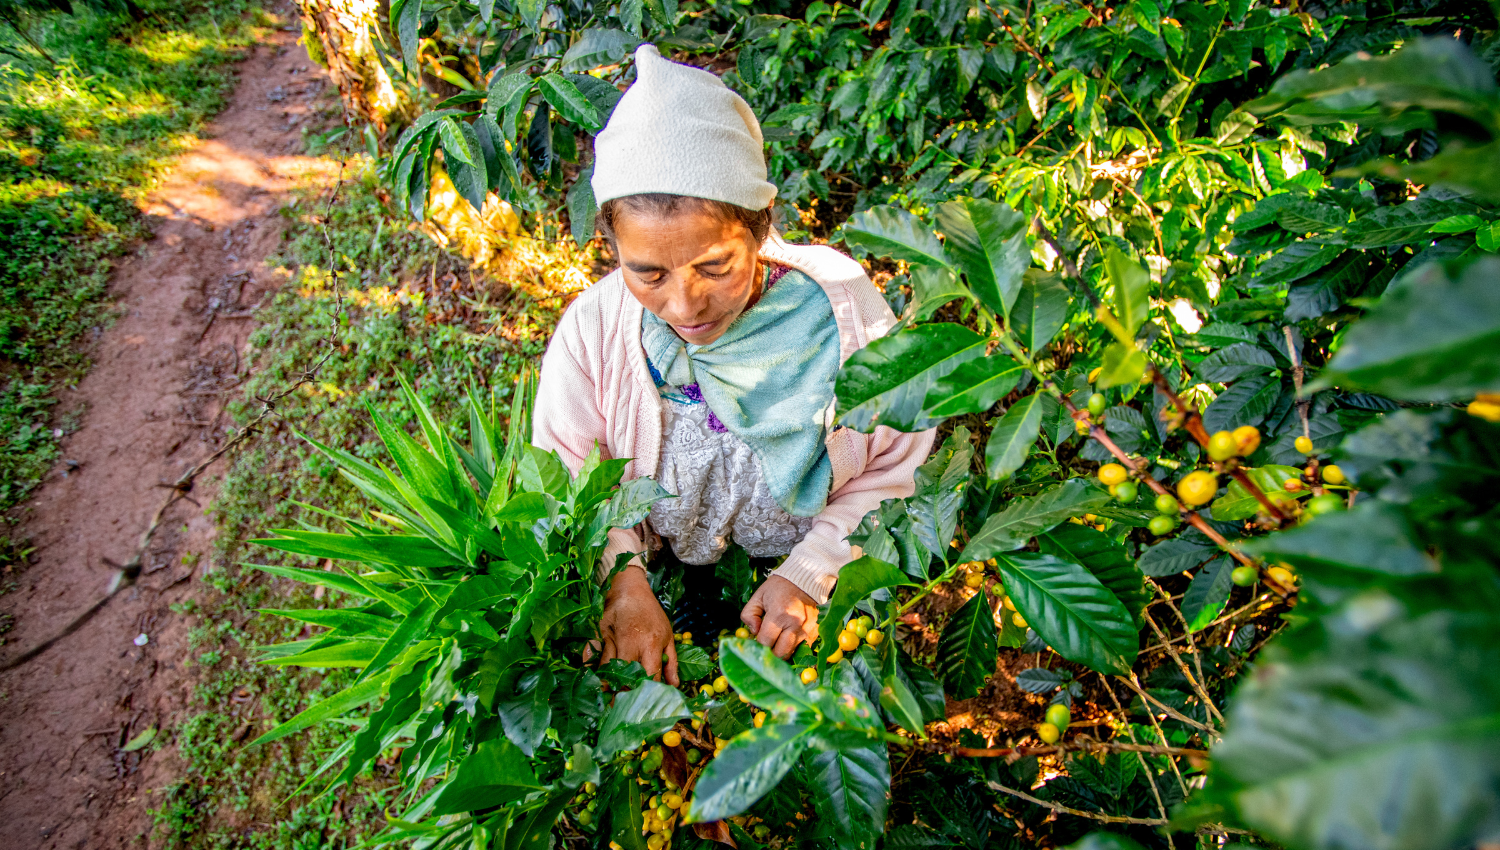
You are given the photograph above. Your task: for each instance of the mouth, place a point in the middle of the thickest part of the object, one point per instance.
(694, 330)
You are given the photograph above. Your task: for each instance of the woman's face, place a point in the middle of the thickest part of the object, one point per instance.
(694, 271)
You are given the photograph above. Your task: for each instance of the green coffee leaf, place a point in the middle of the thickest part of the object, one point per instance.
(1071, 610)
(638, 715)
(1374, 707)
(1434, 337)
(1123, 364)
(1245, 403)
(755, 672)
(857, 580)
(751, 765)
(887, 382)
(1209, 590)
(569, 102)
(893, 232)
(940, 489)
(1098, 553)
(987, 242)
(1024, 518)
(692, 663)
(1174, 556)
(1374, 536)
(494, 774)
(1040, 310)
(966, 650)
(849, 778)
(973, 387)
(1131, 284)
(1013, 437)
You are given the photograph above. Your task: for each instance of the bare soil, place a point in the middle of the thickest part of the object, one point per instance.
(154, 407)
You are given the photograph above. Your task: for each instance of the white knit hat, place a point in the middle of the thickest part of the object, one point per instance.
(679, 130)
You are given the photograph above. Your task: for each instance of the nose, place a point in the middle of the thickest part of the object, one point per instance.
(686, 301)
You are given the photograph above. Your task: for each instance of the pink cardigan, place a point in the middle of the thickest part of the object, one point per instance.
(596, 388)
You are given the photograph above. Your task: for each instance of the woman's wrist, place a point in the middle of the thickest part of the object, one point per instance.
(631, 578)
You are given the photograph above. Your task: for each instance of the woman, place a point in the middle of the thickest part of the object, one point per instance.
(709, 358)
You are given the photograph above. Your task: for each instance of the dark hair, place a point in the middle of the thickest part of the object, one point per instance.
(660, 204)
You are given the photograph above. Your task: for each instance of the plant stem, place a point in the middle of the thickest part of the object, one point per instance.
(1139, 757)
(926, 589)
(1194, 425)
(1076, 812)
(1067, 263)
(1167, 709)
(1196, 682)
(1083, 747)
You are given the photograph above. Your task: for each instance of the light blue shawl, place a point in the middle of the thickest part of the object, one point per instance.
(769, 380)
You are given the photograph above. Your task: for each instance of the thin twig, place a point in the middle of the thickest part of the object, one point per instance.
(1161, 805)
(1098, 816)
(1098, 433)
(1196, 681)
(1067, 264)
(1166, 709)
(1077, 747)
(1161, 734)
(1193, 422)
(1297, 374)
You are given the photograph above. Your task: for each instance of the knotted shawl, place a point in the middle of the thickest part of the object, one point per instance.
(769, 380)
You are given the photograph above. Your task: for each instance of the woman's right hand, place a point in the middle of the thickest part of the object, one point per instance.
(635, 628)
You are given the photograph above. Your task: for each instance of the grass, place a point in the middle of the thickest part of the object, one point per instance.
(80, 142)
(409, 307)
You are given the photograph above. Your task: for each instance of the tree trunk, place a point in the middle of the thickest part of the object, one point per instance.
(342, 36)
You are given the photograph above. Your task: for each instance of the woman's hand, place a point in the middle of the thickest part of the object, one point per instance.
(781, 616)
(635, 628)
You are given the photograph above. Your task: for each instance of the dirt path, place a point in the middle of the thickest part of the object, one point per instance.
(154, 403)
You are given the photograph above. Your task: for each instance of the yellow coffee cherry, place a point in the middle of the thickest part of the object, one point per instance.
(1247, 437)
(1333, 475)
(849, 641)
(874, 637)
(1007, 602)
(1292, 485)
(1018, 620)
(1282, 575)
(836, 657)
(1222, 447)
(1048, 733)
(1111, 474)
(810, 674)
(1303, 445)
(1486, 410)
(760, 718)
(673, 738)
(672, 801)
(720, 685)
(741, 632)
(706, 690)
(974, 579)
(1197, 488)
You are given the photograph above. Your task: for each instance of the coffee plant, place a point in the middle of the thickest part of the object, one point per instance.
(1202, 297)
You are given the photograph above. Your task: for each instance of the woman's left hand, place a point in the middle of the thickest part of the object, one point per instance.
(781, 616)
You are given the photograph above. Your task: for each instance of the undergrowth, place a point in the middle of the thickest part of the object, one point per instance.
(409, 307)
(80, 142)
